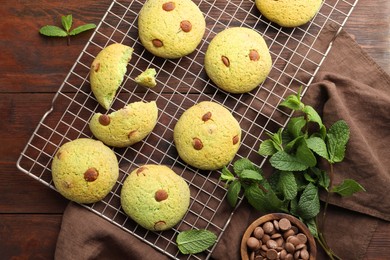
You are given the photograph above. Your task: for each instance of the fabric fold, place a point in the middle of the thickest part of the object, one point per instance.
(85, 235)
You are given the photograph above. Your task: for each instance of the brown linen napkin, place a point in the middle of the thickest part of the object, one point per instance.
(85, 235)
(349, 86)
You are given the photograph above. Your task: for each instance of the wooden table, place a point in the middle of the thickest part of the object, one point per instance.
(33, 67)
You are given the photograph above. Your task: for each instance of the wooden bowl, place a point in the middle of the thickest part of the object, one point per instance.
(311, 244)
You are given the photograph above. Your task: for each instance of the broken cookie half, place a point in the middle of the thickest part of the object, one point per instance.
(125, 126)
(107, 72)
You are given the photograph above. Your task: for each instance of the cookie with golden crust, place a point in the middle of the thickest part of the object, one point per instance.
(107, 72)
(207, 136)
(84, 170)
(237, 60)
(126, 126)
(289, 13)
(155, 197)
(171, 28)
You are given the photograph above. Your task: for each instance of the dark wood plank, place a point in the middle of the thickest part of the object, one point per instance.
(22, 194)
(380, 243)
(36, 63)
(31, 236)
(20, 113)
(369, 23)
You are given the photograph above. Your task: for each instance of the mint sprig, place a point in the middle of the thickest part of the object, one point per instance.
(347, 188)
(195, 241)
(66, 21)
(294, 153)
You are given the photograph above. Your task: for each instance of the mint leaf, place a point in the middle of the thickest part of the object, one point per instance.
(195, 241)
(293, 143)
(51, 30)
(347, 188)
(293, 102)
(295, 125)
(286, 162)
(294, 206)
(309, 178)
(312, 115)
(233, 192)
(318, 145)
(309, 202)
(82, 28)
(226, 175)
(261, 200)
(323, 179)
(267, 147)
(251, 175)
(276, 139)
(305, 155)
(66, 22)
(273, 180)
(311, 224)
(288, 185)
(244, 164)
(301, 181)
(337, 139)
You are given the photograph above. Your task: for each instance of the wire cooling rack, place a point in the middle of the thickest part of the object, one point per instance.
(181, 84)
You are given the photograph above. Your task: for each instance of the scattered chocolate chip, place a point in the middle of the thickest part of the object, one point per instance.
(280, 241)
(225, 61)
(141, 170)
(186, 25)
(157, 43)
(96, 66)
(289, 247)
(132, 133)
(59, 155)
(284, 224)
(293, 240)
(304, 254)
(236, 139)
(161, 195)
(258, 232)
(276, 224)
(104, 120)
(272, 244)
(159, 225)
(253, 243)
(206, 116)
(288, 233)
(197, 143)
(265, 238)
(283, 254)
(91, 175)
(168, 6)
(302, 237)
(295, 229)
(268, 227)
(300, 246)
(297, 254)
(272, 254)
(289, 256)
(254, 55)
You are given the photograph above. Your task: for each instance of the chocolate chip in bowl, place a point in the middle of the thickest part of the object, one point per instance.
(278, 236)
